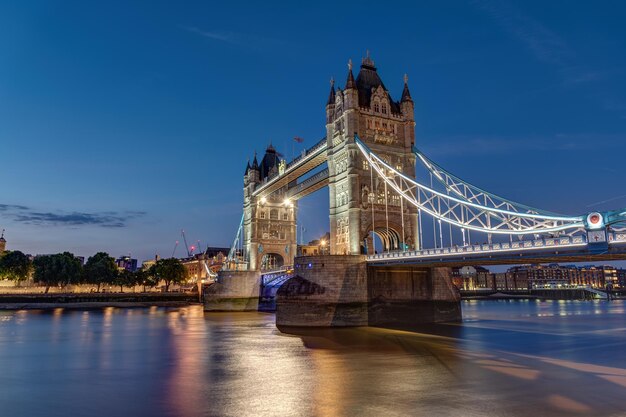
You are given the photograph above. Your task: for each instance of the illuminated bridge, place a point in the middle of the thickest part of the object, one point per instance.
(397, 218)
(531, 235)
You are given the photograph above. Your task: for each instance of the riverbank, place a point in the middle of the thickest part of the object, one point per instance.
(94, 300)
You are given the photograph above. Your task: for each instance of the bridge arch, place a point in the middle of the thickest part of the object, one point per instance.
(271, 261)
(383, 238)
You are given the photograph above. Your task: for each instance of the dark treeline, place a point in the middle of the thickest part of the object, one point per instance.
(63, 269)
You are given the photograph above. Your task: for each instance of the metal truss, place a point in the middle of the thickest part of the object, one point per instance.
(470, 192)
(469, 207)
(233, 254)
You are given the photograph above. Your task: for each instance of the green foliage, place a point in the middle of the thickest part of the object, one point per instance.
(57, 270)
(146, 277)
(125, 278)
(170, 270)
(100, 269)
(15, 266)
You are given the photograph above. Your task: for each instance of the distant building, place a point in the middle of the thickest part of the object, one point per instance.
(3, 242)
(555, 276)
(472, 278)
(315, 247)
(542, 276)
(145, 265)
(198, 266)
(524, 277)
(126, 263)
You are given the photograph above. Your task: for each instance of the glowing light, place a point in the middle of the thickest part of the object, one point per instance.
(595, 220)
(287, 202)
(263, 200)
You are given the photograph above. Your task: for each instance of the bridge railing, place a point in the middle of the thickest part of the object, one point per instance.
(617, 237)
(307, 152)
(563, 241)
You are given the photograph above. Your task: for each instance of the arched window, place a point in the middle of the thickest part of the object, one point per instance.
(376, 108)
(274, 214)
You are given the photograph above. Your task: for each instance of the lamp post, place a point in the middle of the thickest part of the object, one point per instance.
(323, 246)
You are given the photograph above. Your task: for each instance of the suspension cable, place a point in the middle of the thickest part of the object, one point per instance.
(374, 197)
(402, 217)
(435, 201)
(387, 219)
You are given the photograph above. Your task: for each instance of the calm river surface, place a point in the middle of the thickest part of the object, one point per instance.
(508, 358)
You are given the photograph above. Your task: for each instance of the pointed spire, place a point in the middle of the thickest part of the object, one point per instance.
(406, 95)
(331, 96)
(255, 164)
(247, 167)
(350, 82)
(367, 61)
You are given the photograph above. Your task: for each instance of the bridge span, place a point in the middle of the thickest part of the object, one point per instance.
(543, 250)
(382, 268)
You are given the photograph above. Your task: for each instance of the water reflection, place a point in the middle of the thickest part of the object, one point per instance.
(507, 358)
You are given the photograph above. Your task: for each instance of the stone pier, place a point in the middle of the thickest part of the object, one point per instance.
(341, 290)
(233, 291)
(326, 291)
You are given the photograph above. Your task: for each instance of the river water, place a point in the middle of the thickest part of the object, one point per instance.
(507, 358)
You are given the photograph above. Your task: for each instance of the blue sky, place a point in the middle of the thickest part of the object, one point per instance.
(122, 124)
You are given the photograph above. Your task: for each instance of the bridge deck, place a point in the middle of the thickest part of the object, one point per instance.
(563, 249)
(309, 160)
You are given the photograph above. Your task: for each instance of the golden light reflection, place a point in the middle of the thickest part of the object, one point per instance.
(567, 404)
(187, 384)
(328, 396)
(517, 372)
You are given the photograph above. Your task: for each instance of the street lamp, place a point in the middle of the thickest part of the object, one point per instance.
(323, 244)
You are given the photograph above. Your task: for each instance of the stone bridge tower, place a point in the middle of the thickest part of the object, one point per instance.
(269, 225)
(365, 108)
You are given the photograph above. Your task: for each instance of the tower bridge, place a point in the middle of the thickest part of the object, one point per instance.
(368, 161)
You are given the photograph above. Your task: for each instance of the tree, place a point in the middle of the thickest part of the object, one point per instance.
(57, 270)
(170, 270)
(100, 269)
(15, 266)
(125, 278)
(146, 277)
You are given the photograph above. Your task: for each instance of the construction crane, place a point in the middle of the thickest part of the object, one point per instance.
(174, 251)
(189, 249)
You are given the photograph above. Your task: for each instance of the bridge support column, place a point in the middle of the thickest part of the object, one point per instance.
(401, 297)
(336, 291)
(233, 291)
(326, 291)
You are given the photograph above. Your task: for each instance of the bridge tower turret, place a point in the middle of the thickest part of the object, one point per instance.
(359, 207)
(269, 224)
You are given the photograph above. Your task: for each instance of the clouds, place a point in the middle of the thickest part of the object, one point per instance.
(542, 42)
(545, 44)
(27, 215)
(237, 38)
(549, 47)
(498, 145)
